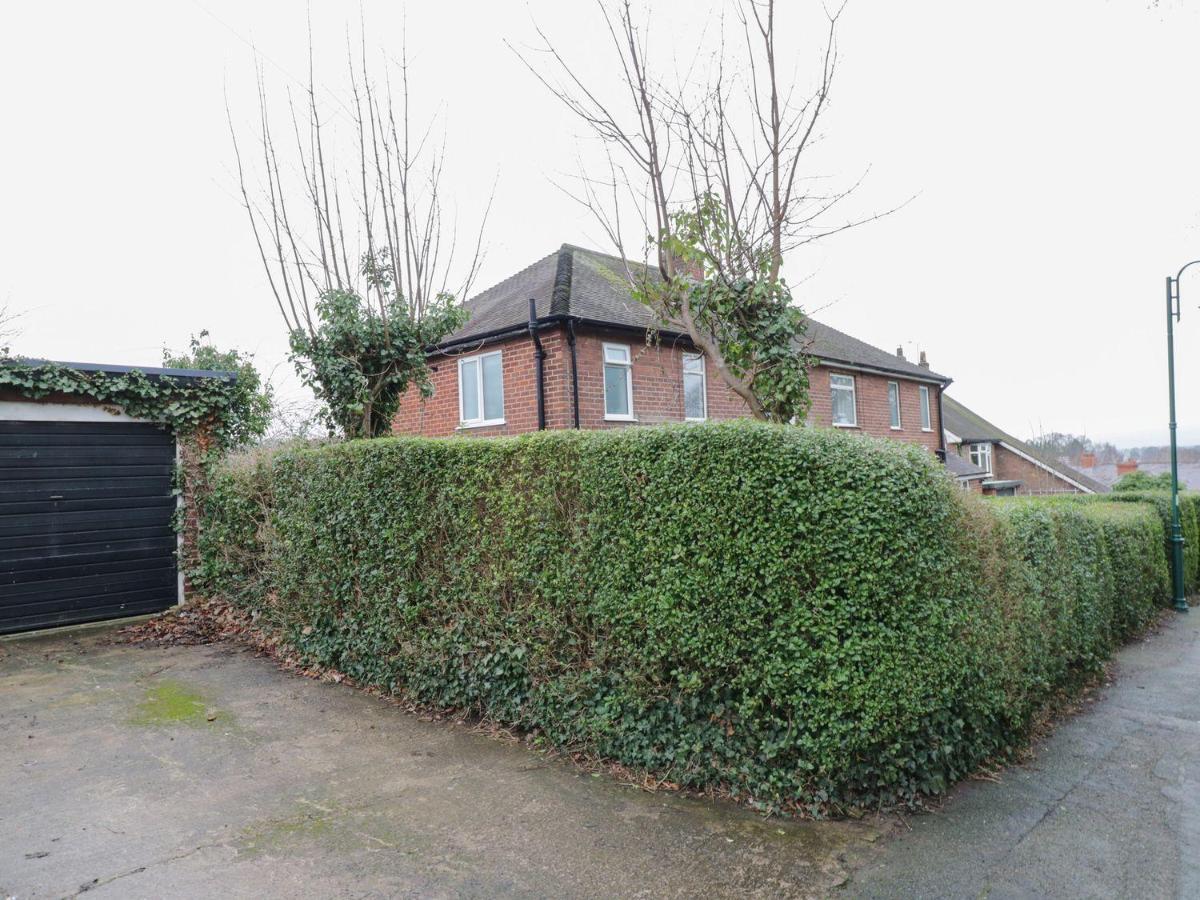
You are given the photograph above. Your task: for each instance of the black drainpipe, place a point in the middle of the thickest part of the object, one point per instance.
(538, 355)
(941, 427)
(575, 370)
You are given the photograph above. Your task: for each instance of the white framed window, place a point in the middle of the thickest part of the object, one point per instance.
(481, 390)
(695, 390)
(845, 410)
(981, 456)
(926, 421)
(894, 404)
(618, 383)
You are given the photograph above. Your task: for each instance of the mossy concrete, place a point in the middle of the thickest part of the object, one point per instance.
(168, 702)
(116, 782)
(207, 771)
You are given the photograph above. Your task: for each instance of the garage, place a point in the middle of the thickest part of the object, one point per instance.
(88, 502)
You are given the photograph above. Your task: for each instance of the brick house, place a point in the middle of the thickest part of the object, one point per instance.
(1010, 467)
(563, 344)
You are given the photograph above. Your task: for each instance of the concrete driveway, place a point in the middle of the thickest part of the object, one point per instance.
(205, 771)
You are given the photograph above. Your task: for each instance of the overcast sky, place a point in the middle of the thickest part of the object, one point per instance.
(1052, 151)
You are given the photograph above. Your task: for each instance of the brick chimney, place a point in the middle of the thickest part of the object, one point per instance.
(1126, 466)
(691, 268)
(924, 363)
(1087, 460)
(900, 352)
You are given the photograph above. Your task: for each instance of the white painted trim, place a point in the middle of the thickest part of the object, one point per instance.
(627, 364)
(925, 410)
(899, 426)
(703, 373)
(972, 453)
(33, 411)
(853, 399)
(1042, 465)
(482, 421)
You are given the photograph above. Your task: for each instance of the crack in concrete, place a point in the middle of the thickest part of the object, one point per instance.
(167, 860)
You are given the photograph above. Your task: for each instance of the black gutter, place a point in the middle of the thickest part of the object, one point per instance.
(542, 323)
(574, 370)
(539, 354)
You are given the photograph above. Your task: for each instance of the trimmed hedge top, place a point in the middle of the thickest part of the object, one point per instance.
(804, 618)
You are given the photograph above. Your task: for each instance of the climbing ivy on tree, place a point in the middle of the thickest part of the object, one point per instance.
(726, 292)
(359, 359)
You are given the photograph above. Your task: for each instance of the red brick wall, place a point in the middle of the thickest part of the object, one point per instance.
(438, 416)
(874, 414)
(657, 391)
(657, 387)
(657, 382)
(1008, 466)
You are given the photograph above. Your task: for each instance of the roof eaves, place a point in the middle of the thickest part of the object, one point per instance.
(931, 377)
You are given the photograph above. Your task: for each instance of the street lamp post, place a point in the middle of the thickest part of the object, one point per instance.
(1173, 310)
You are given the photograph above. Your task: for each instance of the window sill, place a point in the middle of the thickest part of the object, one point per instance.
(463, 426)
(845, 424)
(927, 430)
(608, 418)
(897, 428)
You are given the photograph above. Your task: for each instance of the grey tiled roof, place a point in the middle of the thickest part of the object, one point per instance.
(963, 468)
(971, 428)
(595, 287)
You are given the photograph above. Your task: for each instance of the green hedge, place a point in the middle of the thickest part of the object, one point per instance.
(804, 618)
(1189, 517)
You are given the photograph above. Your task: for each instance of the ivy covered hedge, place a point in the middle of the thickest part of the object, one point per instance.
(806, 619)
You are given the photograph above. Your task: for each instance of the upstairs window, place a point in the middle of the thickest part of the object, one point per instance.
(481, 390)
(841, 389)
(926, 421)
(695, 391)
(618, 383)
(894, 403)
(981, 456)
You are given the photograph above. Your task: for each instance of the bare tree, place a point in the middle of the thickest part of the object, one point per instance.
(716, 172)
(8, 328)
(357, 243)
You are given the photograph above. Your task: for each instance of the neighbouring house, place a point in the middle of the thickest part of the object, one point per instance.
(968, 475)
(1012, 467)
(563, 343)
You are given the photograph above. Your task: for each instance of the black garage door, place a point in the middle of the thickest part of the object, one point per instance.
(85, 522)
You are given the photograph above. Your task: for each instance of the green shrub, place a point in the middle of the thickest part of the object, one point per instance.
(801, 617)
(1189, 518)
